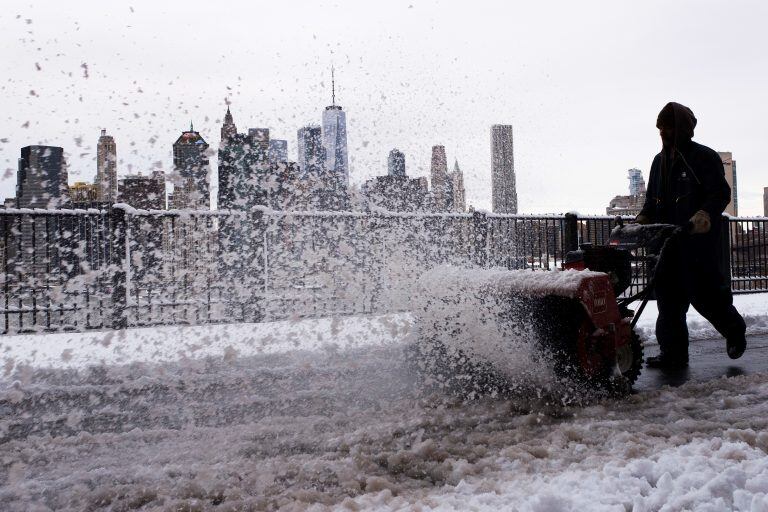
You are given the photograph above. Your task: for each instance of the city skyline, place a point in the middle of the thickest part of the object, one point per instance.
(142, 87)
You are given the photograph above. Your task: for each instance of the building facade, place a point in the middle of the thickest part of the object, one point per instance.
(191, 177)
(278, 151)
(636, 182)
(143, 192)
(106, 168)
(442, 196)
(503, 181)
(765, 202)
(396, 163)
(458, 194)
(41, 181)
(84, 194)
(729, 166)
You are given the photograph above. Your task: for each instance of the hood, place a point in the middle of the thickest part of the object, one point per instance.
(681, 118)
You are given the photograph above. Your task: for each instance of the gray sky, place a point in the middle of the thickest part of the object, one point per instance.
(581, 82)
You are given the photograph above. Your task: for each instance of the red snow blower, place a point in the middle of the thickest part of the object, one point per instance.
(575, 317)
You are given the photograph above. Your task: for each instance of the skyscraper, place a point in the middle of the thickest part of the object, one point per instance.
(278, 151)
(41, 183)
(243, 167)
(458, 198)
(503, 169)
(42, 178)
(335, 138)
(311, 150)
(191, 187)
(765, 201)
(729, 166)
(441, 184)
(396, 163)
(228, 128)
(636, 182)
(106, 168)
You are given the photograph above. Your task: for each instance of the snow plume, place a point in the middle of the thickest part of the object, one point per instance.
(490, 319)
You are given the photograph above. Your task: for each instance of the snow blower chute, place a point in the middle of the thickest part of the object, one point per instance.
(475, 322)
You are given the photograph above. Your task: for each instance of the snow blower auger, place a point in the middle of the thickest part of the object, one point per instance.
(479, 328)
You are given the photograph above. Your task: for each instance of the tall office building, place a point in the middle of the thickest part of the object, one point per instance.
(458, 199)
(191, 187)
(441, 184)
(41, 181)
(396, 163)
(311, 150)
(278, 151)
(503, 169)
(228, 128)
(243, 167)
(765, 202)
(106, 168)
(636, 182)
(335, 138)
(729, 165)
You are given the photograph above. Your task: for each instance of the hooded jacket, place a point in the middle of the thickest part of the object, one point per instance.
(685, 178)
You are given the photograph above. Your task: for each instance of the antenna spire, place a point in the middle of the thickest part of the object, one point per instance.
(333, 87)
(191, 128)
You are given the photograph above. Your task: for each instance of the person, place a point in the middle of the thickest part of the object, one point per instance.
(687, 187)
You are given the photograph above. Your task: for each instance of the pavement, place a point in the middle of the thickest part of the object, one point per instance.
(707, 361)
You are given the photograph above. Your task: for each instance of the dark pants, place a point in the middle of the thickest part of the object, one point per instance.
(689, 275)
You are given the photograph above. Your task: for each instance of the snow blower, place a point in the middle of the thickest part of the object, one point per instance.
(477, 328)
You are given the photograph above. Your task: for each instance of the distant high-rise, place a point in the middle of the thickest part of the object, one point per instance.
(278, 151)
(191, 187)
(636, 182)
(396, 163)
(228, 128)
(311, 150)
(503, 169)
(441, 184)
(106, 168)
(729, 165)
(42, 178)
(765, 202)
(335, 138)
(243, 167)
(458, 198)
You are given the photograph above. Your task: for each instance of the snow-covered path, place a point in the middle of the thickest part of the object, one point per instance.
(254, 424)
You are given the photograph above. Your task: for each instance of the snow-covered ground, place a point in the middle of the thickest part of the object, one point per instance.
(319, 414)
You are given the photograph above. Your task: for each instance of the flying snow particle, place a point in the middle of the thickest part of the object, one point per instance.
(25, 125)
(85, 69)
(37, 66)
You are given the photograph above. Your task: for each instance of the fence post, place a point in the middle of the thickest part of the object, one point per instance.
(570, 233)
(119, 261)
(725, 249)
(480, 229)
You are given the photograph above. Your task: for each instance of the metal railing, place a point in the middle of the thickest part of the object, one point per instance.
(84, 269)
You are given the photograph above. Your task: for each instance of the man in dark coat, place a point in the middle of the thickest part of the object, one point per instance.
(687, 187)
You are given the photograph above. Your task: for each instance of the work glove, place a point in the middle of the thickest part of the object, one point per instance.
(700, 223)
(642, 219)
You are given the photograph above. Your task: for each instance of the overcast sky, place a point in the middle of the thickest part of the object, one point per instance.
(582, 83)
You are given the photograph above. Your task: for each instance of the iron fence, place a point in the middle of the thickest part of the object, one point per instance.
(84, 269)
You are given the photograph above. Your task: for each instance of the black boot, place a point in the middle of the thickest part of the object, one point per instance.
(667, 362)
(735, 345)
